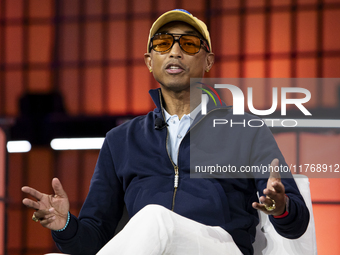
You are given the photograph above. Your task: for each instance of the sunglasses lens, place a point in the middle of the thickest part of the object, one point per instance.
(162, 42)
(190, 44)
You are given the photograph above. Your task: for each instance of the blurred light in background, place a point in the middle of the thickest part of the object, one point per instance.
(18, 146)
(77, 143)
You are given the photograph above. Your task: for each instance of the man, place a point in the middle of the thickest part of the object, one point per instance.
(146, 161)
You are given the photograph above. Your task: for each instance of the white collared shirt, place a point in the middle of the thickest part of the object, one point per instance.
(177, 130)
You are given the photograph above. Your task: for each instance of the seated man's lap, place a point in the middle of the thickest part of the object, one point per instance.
(157, 230)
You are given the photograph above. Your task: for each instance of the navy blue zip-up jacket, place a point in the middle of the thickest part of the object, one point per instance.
(134, 168)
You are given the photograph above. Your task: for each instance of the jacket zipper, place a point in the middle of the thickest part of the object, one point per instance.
(173, 164)
(175, 188)
(176, 169)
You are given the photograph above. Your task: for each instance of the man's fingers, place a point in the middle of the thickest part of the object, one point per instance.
(260, 207)
(278, 189)
(275, 162)
(34, 193)
(266, 201)
(58, 188)
(274, 173)
(41, 214)
(30, 203)
(47, 220)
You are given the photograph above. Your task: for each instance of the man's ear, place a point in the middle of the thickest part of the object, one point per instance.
(148, 61)
(210, 59)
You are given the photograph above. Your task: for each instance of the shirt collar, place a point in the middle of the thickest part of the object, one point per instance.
(192, 115)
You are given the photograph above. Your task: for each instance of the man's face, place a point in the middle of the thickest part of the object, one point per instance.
(174, 68)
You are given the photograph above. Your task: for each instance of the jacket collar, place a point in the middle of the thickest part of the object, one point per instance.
(156, 97)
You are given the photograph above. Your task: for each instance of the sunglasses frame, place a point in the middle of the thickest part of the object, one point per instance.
(203, 42)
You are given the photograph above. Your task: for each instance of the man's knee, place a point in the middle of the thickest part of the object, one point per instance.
(155, 215)
(154, 210)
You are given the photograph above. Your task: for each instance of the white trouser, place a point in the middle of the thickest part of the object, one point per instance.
(155, 230)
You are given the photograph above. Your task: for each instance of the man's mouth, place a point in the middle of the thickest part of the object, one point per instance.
(174, 69)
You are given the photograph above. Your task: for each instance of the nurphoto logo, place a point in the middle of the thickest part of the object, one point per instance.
(238, 99)
(239, 102)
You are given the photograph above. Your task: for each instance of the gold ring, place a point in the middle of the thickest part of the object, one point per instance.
(272, 207)
(35, 219)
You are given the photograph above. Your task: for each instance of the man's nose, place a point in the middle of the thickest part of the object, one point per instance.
(176, 51)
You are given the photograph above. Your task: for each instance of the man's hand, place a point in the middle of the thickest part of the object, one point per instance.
(51, 210)
(274, 191)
